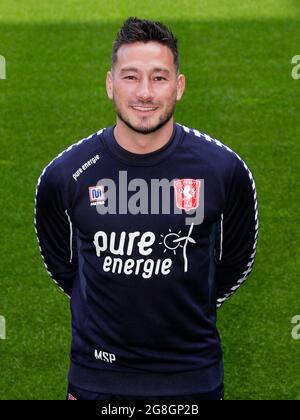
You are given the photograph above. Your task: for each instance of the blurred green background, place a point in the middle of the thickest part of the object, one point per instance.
(237, 60)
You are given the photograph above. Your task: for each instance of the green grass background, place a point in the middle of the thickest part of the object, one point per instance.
(237, 60)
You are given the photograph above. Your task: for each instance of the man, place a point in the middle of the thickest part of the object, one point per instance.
(148, 226)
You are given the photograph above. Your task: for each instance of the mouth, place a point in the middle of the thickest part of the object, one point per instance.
(144, 110)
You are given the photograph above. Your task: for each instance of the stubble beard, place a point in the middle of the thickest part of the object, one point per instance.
(163, 119)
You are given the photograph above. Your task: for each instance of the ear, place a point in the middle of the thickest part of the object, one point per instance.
(180, 86)
(109, 84)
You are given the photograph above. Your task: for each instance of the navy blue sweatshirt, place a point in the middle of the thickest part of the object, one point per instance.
(147, 246)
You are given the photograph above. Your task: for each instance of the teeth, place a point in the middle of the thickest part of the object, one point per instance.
(143, 108)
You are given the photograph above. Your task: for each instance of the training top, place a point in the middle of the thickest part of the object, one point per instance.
(147, 247)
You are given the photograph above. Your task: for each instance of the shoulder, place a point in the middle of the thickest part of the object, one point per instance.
(202, 140)
(214, 150)
(224, 162)
(69, 159)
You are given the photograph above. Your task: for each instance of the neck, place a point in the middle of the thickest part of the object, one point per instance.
(142, 143)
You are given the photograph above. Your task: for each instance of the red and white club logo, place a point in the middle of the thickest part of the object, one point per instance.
(187, 193)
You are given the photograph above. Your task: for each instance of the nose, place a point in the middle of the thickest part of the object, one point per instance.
(144, 89)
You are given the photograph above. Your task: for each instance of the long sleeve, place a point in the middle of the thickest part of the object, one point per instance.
(53, 227)
(133, 267)
(237, 234)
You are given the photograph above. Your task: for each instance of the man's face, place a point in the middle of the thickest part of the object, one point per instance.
(144, 85)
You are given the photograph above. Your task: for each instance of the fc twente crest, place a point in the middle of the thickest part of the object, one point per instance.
(187, 193)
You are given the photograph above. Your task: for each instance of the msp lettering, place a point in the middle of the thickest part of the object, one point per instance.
(105, 356)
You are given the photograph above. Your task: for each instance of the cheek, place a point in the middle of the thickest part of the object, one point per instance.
(166, 93)
(123, 94)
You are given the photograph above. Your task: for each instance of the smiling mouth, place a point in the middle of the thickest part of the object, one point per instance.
(144, 109)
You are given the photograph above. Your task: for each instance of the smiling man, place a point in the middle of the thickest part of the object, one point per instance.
(148, 226)
(144, 92)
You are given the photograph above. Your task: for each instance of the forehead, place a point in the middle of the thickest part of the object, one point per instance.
(145, 56)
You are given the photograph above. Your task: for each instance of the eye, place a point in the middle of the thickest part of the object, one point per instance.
(130, 77)
(160, 78)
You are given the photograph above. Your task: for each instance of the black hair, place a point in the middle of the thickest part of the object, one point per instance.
(142, 30)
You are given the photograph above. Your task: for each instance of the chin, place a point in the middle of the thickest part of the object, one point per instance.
(143, 125)
(147, 126)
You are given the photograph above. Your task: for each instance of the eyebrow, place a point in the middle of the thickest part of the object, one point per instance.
(156, 70)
